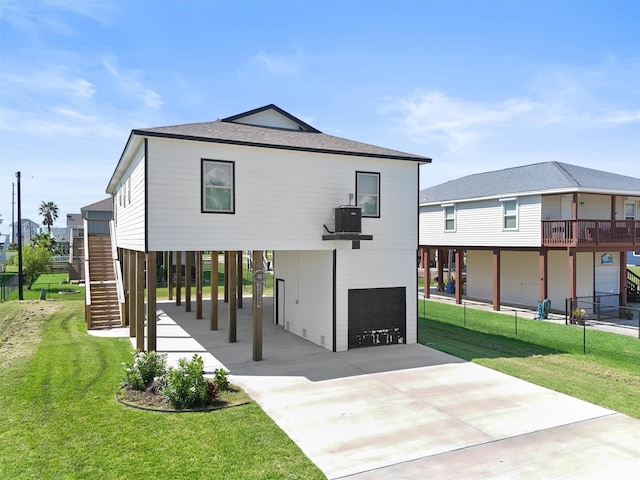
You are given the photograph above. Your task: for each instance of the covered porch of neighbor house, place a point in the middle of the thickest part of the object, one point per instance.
(457, 255)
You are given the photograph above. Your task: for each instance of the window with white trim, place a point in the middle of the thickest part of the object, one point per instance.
(509, 214)
(368, 193)
(629, 211)
(449, 218)
(218, 186)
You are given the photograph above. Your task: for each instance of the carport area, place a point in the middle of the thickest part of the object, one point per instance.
(408, 411)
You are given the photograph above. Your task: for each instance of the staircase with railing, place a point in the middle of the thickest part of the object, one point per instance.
(633, 287)
(104, 297)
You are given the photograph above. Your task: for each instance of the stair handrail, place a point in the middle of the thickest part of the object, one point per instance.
(117, 268)
(87, 275)
(633, 278)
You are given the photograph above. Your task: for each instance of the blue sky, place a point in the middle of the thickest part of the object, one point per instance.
(475, 85)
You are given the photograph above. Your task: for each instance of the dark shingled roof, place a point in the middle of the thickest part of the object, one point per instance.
(539, 177)
(222, 131)
(106, 204)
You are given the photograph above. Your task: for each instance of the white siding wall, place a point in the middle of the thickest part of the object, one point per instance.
(308, 278)
(283, 198)
(519, 277)
(480, 274)
(480, 223)
(367, 269)
(596, 207)
(552, 207)
(129, 206)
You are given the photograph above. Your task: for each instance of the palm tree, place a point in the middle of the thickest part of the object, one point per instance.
(49, 211)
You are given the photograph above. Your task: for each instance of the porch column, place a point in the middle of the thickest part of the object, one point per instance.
(139, 289)
(426, 262)
(233, 313)
(214, 290)
(458, 260)
(572, 275)
(574, 217)
(187, 281)
(152, 314)
(178, 278)
(226, 276)
(543, 286)
(440, 269)
(131, 275)
(258, 284)
(124, 255)
(199, 285)
(496, 279)
(240, 278)
(170, 270)
(623, 278)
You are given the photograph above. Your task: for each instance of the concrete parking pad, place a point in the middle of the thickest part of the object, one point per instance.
(408, 411)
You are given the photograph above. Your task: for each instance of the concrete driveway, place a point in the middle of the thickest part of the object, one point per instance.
(408, 411)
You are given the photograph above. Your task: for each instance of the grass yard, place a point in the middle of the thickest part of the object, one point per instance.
(543, 353)
(61, 419)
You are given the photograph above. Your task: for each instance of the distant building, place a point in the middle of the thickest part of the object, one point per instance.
(29, 229)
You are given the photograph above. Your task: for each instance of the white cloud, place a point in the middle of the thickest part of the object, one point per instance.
(573, 99)
(128, 81)
(433, 116)
(278, 64)
(47, 80)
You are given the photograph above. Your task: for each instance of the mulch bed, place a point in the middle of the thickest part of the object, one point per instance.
(233, 397)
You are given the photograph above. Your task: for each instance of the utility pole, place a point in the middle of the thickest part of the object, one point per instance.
(20, 286)
(13, 212)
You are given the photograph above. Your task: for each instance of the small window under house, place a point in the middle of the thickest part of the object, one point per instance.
(509, 213)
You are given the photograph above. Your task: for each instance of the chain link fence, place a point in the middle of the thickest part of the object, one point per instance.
(556, 332)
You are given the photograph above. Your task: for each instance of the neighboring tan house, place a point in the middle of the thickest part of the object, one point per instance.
(544, 231)
(339, 215)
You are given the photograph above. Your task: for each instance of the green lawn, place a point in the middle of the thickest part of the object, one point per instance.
(543, 353)
(61, 419)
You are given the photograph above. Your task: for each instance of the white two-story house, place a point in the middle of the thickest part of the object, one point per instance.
(544, 231)
(339, 215)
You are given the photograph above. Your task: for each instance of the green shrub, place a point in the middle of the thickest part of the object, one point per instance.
(220, 379)
(141, 371)
(185, 386)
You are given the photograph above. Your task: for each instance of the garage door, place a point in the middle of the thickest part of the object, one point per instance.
(377, 316)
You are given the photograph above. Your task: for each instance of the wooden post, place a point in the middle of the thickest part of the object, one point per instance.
(178, 278)
(459, 266)
(240, 278)
(187, 281)
(233, 313)
(441, 269)
(152, 314)
(214, 290)
(427, 272)
(170, 274)
(198, 260)
(623, 279)
(125, 285)
(131, 274)
(139, 288)
(572, 275)
(226, 276)
(543, 289)
(258, 284)
(496, 279)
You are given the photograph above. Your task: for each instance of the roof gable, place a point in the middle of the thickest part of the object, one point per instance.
(539, 177)
(272, 117)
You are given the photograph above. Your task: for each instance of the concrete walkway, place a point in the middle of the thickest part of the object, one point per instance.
(408, 411)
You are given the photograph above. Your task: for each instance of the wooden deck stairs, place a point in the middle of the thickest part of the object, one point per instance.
(103, 307)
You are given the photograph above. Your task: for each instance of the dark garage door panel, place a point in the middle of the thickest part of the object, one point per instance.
(377, 316)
